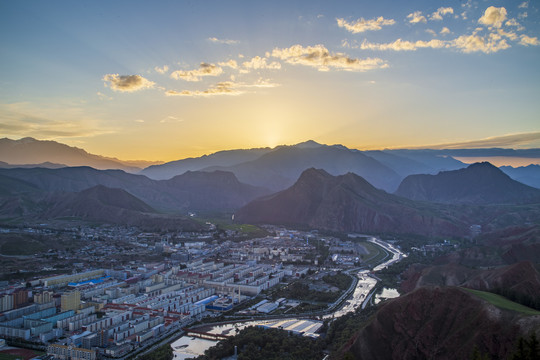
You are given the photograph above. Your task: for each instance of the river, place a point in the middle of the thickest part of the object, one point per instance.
(187, 347)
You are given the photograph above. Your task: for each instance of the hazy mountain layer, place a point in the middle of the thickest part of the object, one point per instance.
(528, 175)
(195, 191)
(480, 183)
(280, 168)
(31, 151)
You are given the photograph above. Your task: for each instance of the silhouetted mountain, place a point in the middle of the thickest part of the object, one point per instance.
(480, 183)
(215, 191)
(31, 151)
(98, 203)
(48, 165)
(279, 169)
(440, 323)
(347, 203)
(435, 160)
(221, 158)
(528, 175)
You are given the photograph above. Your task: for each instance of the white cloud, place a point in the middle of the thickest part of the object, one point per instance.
(493, 16)
(362, 25)
(416, 17)
(257, 63)
(445, 31)
(524, 5)
(103, 96)
(438, 15)
(222, 88)
(128, 83)
(223, 41)
(231, 63)
(527, 40)
(508, 34)
(320, 58)
(513, 22)
(162, 70)
(402, 45)
(195, 75)
(170, 119)
(431, 31)
(476, 43)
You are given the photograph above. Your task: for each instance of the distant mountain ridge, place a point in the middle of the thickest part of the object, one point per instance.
(194, 191)
(31, 151)
(280, 168)
(480, 183)
(347, 203)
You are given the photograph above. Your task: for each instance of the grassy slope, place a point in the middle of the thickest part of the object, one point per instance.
(502, 302)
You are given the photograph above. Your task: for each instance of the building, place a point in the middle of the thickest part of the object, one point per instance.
(58, 351)
(43, 297)
(71, 301)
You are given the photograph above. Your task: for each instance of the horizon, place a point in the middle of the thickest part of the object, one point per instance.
(136, 81)
(497, 160)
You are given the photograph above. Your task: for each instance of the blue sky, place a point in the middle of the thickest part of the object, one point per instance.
(170, 79)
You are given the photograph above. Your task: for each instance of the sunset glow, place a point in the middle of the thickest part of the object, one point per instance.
(168, 80)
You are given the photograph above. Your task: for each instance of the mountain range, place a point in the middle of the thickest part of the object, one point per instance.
(348, 203)
(273, 168)
(192, 191)
(480, 183)
(48, 153)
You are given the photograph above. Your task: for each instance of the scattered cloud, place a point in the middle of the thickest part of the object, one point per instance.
(490, 43)
(223, 41)
(320, 58)
(493, 17)
(431, 31)
(231, 63)
(362, 25)
(416, 17)
(170, 119)
(438, 15)
(513, 22)
(523, 15)
(56, 119)
(260, 83)
(258, 63)
(512, 140)
(204, 69)
(524, 5)
(103, 96)
(527, 40)
(140, 121)
(508, 34)
(403, 45)
(162, 70)
(487, 44)
(445, 31)
(128, 83)
(222, 88)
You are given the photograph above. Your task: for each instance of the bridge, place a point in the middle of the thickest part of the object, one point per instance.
(205, 335)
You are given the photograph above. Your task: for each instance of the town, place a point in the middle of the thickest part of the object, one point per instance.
(123, 290)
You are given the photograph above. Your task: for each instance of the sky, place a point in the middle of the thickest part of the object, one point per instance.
(165, 80)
